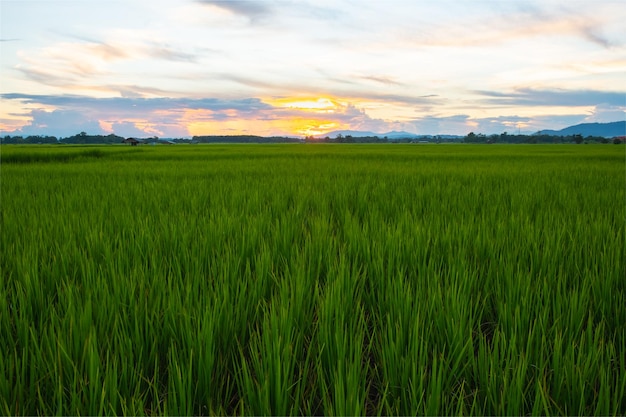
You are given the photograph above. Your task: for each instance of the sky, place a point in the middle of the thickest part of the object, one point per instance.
(178, 68)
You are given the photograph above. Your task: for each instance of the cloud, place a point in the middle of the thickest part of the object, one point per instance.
(127, 129)
(507, 21)
(67, 64)
(182, 117)
(60, 123)
(86, 64)
(43, 76)
(105, 51)
(591, 34)
(131, 115)
(248, 81)
(125, 104)
(407, 100)
(167, 53)
(141, 46)
(253, 10)
(433, 125)
(177, 117)
(554, 121)
(605, 113)
(144, 128)
(535, 97)
(463, 124)
(136, 91)
(380, 79)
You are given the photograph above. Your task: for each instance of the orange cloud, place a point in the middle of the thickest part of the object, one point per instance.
(303, 126)
(289, 116)
(289, 126)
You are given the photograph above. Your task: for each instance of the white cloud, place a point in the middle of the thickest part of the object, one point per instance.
(605, 113)
(60, 123)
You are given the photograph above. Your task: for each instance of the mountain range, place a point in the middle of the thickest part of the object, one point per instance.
(360, 134)
(607, 130)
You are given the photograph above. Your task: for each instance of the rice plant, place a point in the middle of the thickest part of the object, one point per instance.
(312, 279)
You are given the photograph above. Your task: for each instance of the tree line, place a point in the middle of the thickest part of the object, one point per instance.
(537, 138)
(83, 138)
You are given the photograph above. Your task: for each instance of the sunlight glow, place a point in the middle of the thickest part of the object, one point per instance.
(317, 105)
(198, 125)
(309, 126)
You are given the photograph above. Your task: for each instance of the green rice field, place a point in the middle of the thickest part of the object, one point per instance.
(313, 279)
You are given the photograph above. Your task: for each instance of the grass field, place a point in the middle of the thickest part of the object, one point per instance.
(313, 279)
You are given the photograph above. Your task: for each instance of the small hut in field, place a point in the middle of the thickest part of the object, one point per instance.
(131, 141)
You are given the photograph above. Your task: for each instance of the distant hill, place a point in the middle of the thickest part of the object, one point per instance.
(353, 133)
(607, 130)
(361, 134)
